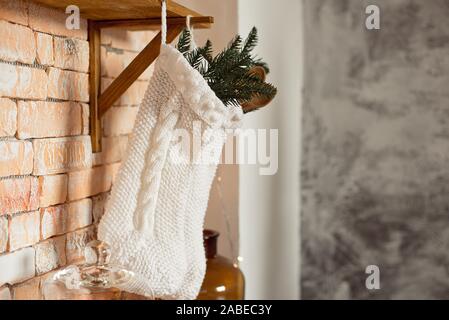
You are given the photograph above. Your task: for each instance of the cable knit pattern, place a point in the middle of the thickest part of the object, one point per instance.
(155, 216)
(155, 155)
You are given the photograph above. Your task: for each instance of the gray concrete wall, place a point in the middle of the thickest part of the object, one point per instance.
(375, 167)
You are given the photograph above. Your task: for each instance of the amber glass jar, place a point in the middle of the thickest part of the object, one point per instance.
(223, 280)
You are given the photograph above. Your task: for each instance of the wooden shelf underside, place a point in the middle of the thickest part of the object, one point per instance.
(121, 9)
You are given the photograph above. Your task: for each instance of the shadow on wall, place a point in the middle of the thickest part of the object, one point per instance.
(375, 136)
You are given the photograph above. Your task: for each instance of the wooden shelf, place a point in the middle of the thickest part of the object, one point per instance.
(121, 9)
(129, 15)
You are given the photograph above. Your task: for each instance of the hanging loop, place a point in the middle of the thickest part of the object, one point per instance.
(188, 25)
(190, 28)
(163, 22)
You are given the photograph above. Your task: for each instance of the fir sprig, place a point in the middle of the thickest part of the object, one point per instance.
(228, 73)
(184, 42)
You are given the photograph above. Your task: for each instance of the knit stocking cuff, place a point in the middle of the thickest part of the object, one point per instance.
(196, 92)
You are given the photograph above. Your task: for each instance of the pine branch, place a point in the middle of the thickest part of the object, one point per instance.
(228, 55)
(194, 57)
(245, 89)
(235, 44)
(184, 41)
(228, 73)
(206, 51)
(250, 42)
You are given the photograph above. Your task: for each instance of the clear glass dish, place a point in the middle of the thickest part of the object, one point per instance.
(96, 279)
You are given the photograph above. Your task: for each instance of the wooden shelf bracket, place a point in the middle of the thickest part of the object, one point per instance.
(101, 102)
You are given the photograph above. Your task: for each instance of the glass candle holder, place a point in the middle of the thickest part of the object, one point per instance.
(96, 279)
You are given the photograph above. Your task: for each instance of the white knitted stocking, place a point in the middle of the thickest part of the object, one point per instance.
(158, 257)
(155, 216)
(202, 178)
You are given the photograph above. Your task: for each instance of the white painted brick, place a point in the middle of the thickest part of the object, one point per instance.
(8, 117)
(59, 155)
(18, 43)
(19, 194)
(68, 85)
(132, 97)
(28, 290)
(113, 150)
(52, 21)
(53, 221)
(3, 233)
(5, 293)
(87, 183)
(76, 243)
(41, 119)
(17, 266)
(23, 82)
(86, 118)
(24, 230)
(65, 218)
(53, 190)
(119, 121)
(72, 54)
(16, 158)
(15, 11)
(79, 214)
(127, 40)
(44, 49)
(99, 204)
(50, 254)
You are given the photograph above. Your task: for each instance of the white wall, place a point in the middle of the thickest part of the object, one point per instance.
(269, 205)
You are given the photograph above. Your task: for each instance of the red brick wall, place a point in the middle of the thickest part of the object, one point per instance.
(52, 188)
